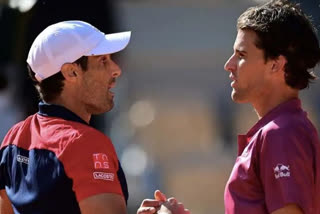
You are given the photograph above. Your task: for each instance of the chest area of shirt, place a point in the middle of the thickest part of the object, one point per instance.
(245, 172)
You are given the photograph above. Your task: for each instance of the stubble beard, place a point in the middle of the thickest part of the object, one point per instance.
(101, 108)
(238, 97)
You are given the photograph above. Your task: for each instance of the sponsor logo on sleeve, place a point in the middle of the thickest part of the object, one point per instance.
(103, 176)
(281, 171)
(101, 161)
(22, 159)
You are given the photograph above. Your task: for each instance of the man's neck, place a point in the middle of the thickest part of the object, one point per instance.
(76, 108)
(265, 105)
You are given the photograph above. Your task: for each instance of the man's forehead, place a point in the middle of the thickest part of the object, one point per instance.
(245, 39)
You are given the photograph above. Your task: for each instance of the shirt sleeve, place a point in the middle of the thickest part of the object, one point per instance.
(2, 162)
(92, 164)
(286, 169)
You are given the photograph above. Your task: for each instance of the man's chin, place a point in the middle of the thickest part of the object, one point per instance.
(237, 98)
(107, 108)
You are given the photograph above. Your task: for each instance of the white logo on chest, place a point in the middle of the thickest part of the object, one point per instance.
(103, 176)
(22, 159)
(281, 171)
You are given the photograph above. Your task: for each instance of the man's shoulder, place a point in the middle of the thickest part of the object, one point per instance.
(16, 130)
(86, 141)
(48, 132)
(286, 127)
(93, 134)
(72, 129)
(84, 133)
(289, 122)
(19, 125)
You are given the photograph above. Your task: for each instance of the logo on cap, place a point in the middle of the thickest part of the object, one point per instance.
(281, 171)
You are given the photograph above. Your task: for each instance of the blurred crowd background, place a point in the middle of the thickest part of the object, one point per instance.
(174, 125)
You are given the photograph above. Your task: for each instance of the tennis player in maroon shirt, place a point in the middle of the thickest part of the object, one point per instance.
(278, 165)
(277, 170)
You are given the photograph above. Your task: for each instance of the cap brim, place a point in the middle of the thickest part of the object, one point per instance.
(111, 44)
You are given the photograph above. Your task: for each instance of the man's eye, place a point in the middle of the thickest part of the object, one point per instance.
(241, 56)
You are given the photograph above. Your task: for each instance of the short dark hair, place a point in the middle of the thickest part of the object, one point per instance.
(284, 29)
(50, 88)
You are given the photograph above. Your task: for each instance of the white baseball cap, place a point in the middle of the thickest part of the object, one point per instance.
(67, 41)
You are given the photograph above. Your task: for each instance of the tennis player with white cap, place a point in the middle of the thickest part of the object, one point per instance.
(54, 161)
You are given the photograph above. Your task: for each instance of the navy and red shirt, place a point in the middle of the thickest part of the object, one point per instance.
(53, 160)
(278, 163)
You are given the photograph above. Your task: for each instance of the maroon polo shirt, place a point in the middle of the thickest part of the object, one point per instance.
(278, 163)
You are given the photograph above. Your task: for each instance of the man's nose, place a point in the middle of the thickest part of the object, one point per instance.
(116, 70)
(230, 65)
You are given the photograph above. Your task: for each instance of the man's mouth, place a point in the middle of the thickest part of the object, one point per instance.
(233, 78)
(112, 84)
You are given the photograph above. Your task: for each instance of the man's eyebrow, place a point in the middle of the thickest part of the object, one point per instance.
(100, 57)
(240, 51)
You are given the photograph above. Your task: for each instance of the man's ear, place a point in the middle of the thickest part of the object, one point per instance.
(69, 71)
(278, 64)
